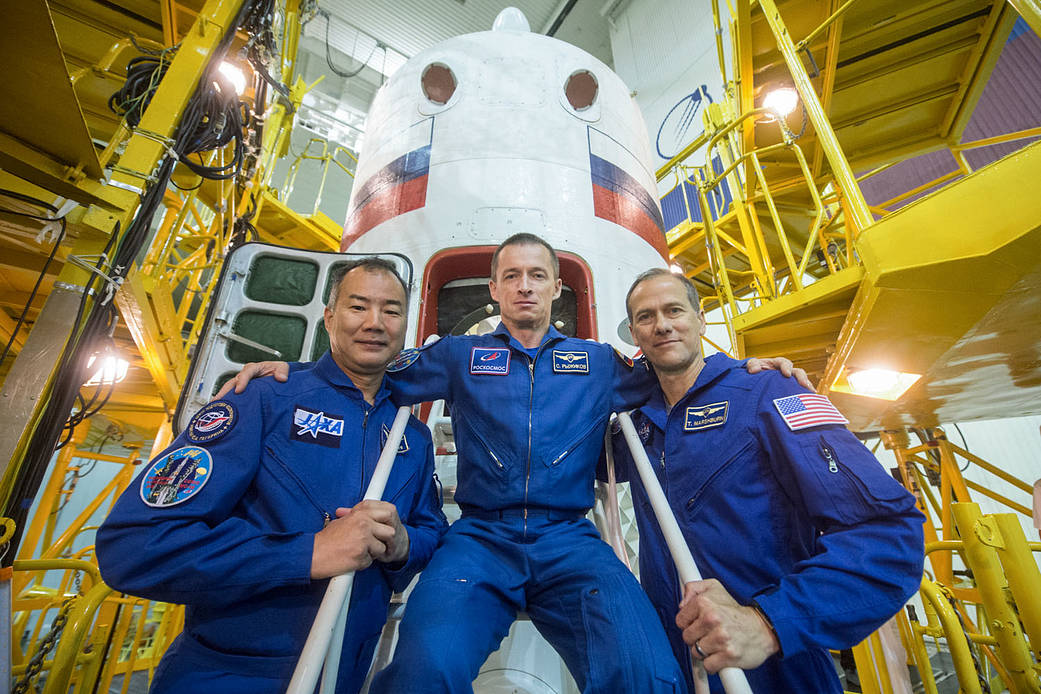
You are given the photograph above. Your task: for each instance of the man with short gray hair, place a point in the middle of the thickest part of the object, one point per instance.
(805, 541)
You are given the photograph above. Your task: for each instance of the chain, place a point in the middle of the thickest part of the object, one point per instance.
(47, 643)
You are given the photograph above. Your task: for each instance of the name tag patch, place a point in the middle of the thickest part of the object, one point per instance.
(385, 434)
(490, 360)
(706, 416)
(211, 422)
(176, 477)
(570, 362)
(316, 427)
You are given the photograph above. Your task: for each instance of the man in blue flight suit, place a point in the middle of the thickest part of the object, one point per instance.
(256, 503)
(529, 411)
(806, 542)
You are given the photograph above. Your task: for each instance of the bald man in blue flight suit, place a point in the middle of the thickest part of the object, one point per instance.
(806, 543)
(258, 502)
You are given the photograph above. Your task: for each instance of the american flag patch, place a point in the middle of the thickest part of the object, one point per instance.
(808, 410)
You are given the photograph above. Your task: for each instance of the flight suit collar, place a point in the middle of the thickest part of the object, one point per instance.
(715, 367)
(329, 371)
(503, 333)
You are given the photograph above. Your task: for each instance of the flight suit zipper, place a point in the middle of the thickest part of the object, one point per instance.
(364, 423)
(326, 518)
(574, 443)
(828, 456)
(531, 407)
(484, 443)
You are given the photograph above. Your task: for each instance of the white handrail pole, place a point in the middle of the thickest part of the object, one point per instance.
(611, 511)
(327, 626)
(734, 680)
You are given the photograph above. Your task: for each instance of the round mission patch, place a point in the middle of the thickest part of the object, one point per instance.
(211, 422)
(176, 477)
(405, 359)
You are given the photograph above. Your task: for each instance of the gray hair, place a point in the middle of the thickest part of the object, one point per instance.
(371, 264)
(692, 291)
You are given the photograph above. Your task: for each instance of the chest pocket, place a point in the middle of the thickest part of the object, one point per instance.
(710, 478)
(400, 489)
(298, 482)
(852, 485)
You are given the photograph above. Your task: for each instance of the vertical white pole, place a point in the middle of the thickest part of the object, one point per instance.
(734, 680)
(328, 625)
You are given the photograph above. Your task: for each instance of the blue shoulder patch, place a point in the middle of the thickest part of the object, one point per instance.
(176, 477)
(405, 359)
(211, 422)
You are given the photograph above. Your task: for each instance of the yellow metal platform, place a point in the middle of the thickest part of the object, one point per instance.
(952, 290)
(948, 287)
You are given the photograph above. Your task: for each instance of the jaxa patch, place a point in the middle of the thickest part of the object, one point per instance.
(176, 477)
(706, 416)
(405, 359)
(570, 362)
(316, 427)
(490, 360)
(627, 360)
(211, 422)
(385, 434)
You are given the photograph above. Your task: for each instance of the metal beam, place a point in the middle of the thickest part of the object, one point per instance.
(30, 262)
(860, 216)
(28, 385)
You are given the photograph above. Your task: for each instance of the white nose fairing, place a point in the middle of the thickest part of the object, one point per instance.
(507, 152)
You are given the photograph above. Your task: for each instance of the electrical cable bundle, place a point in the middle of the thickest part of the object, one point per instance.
(329, 55)
(92, 328)
(143, 76)
(219, 114)
(262, 47)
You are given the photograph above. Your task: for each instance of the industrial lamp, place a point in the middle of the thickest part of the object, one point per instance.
(884, 384)
(781, 101)
(233, 73)
(111, 369)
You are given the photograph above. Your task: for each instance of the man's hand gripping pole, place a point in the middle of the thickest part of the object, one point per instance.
(734, 680)
(325, 640)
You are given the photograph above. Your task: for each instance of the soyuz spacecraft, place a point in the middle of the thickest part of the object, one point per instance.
(505, 131)
(471, 141)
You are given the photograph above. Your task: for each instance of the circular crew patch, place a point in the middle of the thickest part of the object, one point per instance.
(176, 477)
(211, 422)
(405, 359)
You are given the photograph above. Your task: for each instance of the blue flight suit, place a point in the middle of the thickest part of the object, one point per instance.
(528, 431)
(234, 544)
(806, 524)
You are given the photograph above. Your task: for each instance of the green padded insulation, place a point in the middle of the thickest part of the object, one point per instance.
(281, 280)
(321, 342)
(284, 333)
(224, 378)
(329, 285)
